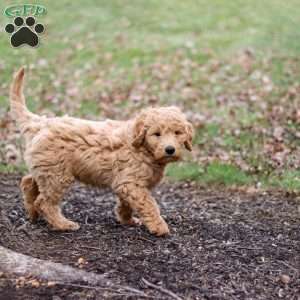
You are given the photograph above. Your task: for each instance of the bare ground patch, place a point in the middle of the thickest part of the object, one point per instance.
(224, 245)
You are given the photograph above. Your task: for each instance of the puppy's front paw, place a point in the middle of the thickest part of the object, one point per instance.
(67, 226)
(132, 221)
(73, 226)
(161, 228)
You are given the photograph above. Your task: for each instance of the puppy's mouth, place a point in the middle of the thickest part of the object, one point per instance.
(169, 158)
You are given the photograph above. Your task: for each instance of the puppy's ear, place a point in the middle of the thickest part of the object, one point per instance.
(139, 131)
(189, 136)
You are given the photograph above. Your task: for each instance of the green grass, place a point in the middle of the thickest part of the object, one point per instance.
(214, 173)
(289, 180)
(209, 131)
(4, 168)
(111, 47)
(227, 174)
(218, 173)
(141, 29)
(88, 108)
(185, 171)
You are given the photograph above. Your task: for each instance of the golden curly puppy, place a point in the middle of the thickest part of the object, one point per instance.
(128, 156)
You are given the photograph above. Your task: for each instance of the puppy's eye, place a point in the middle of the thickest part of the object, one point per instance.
(177, 132)
(157, 133)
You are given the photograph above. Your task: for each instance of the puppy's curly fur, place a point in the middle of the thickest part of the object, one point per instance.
(128, 156)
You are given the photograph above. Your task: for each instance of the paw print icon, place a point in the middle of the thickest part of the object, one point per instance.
(24, 33)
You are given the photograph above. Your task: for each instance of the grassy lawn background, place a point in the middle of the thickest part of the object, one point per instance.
(233, 66)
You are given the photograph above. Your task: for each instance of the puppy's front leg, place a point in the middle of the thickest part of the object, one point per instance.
(145, 206)
(123, 213)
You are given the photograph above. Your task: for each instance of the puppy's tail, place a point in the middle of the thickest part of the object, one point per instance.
(18, 106)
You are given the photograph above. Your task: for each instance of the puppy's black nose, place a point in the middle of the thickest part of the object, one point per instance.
(170, 150)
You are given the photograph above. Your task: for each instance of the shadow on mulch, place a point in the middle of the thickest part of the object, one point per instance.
(224, 245)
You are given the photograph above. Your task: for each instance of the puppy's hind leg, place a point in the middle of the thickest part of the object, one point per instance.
(48, 204)
(30, 193)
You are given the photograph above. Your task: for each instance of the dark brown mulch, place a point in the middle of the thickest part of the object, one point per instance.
(224, 245)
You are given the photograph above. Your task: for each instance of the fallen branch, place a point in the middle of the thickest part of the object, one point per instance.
(161, 289)
(14, 263)
(22, 265)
